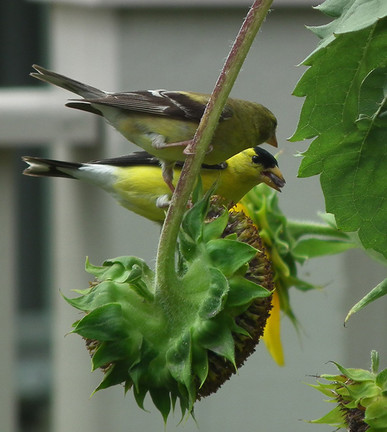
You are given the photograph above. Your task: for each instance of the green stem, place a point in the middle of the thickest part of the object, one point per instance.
(165, 263)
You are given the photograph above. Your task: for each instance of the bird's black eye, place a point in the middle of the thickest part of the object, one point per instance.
(255, 159)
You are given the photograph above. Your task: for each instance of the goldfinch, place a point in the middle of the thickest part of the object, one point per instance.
(136, 181)
(164, 122)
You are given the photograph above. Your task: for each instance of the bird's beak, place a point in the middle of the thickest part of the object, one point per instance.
(274, 178)
(272, 141)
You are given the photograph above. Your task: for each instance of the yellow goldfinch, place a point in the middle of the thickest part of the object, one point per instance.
(163, 122)
(136, 181)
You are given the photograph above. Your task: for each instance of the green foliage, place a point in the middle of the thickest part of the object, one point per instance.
(347, 71)
(360, 395)
(291, 243)
(345, 110)
(379, 291)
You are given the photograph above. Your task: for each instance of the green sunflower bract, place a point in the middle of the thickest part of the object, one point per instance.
(360, 396)
(186, 345)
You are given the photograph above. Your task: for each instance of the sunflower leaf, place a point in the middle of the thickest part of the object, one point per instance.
(379, 291)
(349, 121)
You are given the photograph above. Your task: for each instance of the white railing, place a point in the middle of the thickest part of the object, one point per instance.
(37, 117)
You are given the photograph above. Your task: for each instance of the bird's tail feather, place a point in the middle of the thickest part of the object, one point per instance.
(83, 106)
(66, 83)
(39, 167)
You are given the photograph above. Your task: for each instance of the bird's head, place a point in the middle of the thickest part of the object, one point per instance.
(266, 125)
(267, 163)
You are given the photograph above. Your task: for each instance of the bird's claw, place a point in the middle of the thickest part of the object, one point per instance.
(188, 150)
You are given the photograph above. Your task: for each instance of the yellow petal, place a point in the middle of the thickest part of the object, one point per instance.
(239, 208)
(272, 334)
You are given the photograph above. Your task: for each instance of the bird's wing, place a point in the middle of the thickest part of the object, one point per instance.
(180, 105)
(136, 158)
(176, 104)
(144, 158)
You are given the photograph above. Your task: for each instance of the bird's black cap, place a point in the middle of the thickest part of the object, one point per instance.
(264, 157)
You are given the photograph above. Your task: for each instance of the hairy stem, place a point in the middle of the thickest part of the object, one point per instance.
(165, 263)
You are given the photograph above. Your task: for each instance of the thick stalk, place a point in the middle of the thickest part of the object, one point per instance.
(165, 262)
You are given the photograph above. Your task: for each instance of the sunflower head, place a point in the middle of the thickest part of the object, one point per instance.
(184, 346)
(360, 397)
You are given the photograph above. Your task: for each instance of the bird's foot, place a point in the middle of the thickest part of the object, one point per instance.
(167, 172)
(163, 201)
(188, 150)
(158, 142)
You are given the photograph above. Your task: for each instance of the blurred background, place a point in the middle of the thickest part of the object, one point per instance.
(49, 226)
